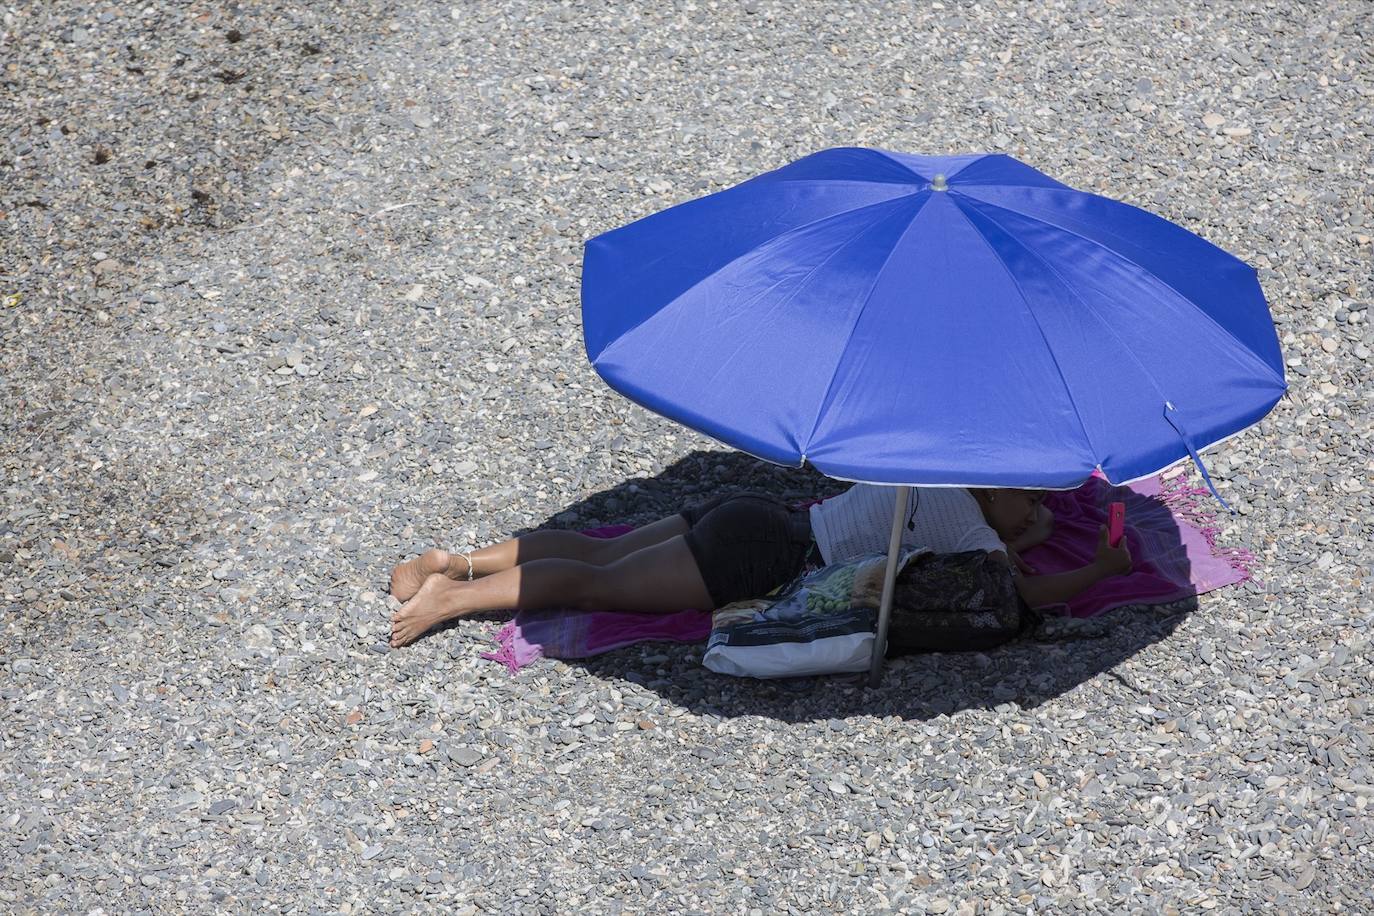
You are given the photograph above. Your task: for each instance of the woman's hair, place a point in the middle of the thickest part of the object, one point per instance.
(986, 491)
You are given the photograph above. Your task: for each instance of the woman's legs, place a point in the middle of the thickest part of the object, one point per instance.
(659, 578)
(407, 577)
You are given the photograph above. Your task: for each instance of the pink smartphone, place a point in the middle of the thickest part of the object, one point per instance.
(1116, 523)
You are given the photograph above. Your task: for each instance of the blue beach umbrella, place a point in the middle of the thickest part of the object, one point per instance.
(932, 320)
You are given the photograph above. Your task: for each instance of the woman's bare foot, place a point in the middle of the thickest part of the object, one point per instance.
(432, 604)
(407, 577)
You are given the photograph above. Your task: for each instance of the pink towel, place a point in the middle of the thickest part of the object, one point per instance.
(1170, 528)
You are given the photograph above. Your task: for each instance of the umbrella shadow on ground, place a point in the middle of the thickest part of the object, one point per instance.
(920, 687)
(1057, 657)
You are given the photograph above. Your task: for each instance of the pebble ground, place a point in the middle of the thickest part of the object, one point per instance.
(290, 292)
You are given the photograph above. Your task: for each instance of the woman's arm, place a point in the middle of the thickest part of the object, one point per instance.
(1038, 591)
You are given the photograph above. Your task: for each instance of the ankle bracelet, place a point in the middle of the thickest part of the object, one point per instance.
(469, 559)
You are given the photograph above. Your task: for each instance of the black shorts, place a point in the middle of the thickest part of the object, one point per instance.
(746, 545)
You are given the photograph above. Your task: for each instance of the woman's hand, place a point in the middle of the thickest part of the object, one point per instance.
(1112, 561)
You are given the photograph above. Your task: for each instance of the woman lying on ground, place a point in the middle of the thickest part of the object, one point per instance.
(732, 548)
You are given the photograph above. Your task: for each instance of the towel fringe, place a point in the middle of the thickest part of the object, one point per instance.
(1190, 503)
(505, 648)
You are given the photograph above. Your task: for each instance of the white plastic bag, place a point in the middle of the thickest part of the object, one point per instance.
(793, 648)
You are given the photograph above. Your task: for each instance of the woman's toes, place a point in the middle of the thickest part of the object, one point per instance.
(431, 604)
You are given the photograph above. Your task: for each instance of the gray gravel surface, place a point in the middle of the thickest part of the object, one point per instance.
(291, 292)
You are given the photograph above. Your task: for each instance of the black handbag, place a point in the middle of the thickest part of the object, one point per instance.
(956, 602)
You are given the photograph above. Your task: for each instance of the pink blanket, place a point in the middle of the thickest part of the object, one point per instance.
(1170, 527)
(1170, 530)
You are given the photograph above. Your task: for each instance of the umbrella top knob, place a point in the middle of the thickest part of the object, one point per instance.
(938, 182)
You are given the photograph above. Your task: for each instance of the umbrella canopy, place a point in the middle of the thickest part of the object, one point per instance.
(932, 320)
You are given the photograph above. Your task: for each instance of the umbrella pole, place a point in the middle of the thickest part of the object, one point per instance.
(894, 545)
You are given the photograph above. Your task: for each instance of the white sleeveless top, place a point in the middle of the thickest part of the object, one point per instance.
(859, 521)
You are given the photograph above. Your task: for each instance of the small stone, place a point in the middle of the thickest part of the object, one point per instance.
(426, 746)
(354, 717)
(257, 636)
(372, 852)
(645, 724)
(1211, 120)
(223, 806)
(465, 756)
(1040, 780)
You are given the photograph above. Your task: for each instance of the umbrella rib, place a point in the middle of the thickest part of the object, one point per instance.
(1116, 254)
(868, 297)
(795, 291)
(833, 181)
(1129, 351)
(781, 235)
(1068, 392)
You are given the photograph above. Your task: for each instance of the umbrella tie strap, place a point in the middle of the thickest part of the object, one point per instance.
(1171, 414)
